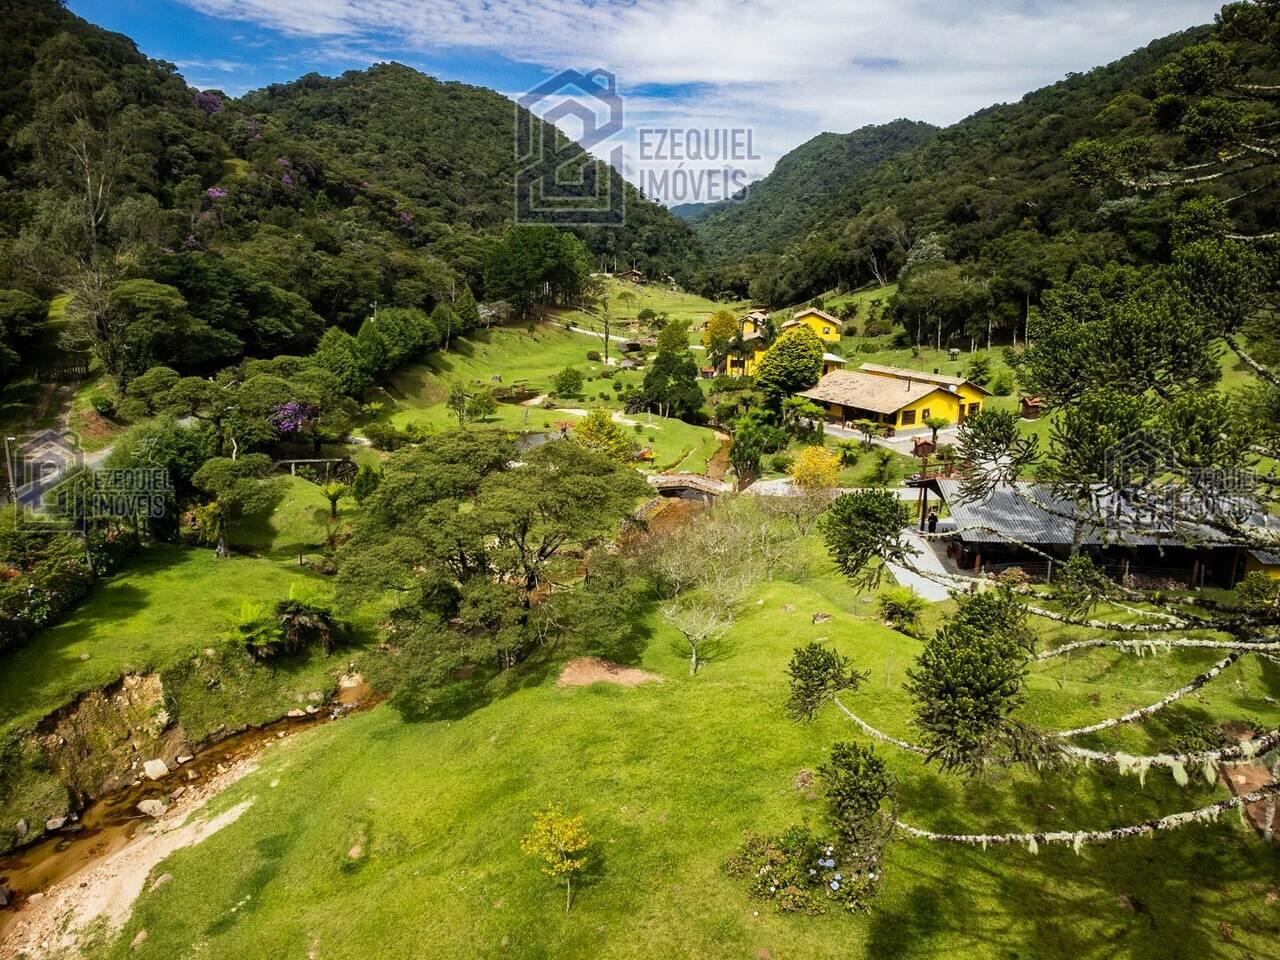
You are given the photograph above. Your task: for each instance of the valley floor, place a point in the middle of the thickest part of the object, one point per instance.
(381, 837)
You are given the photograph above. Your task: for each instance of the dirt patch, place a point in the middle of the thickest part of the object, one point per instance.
(54, 920)
(584, 671)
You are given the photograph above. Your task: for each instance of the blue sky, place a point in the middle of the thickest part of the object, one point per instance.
(783, 69)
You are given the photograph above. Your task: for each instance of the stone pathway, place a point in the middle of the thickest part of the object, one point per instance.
(925, 559)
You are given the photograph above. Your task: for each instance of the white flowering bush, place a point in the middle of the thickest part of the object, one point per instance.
(800, 872)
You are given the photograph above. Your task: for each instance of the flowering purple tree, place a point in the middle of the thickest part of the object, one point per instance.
(216, 193)
(295, 416)
(208, 101)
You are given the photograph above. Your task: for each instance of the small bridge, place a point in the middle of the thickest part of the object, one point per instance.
(689, 486)
(321, 469)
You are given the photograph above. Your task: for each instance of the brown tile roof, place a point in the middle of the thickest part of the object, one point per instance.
(904, 374)
(866, 391)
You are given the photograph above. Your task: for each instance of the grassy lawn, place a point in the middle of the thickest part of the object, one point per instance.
(668, 776)
(833, 302)
(678, 305)
(166, 603)
(509, 355)
(298, 522)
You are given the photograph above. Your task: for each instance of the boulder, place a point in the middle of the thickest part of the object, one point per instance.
(185, 758)
(6, 895)
(155, 769)
(22, 829)
(151, 808)
(312, 708)
(160, 881)
(56, 823)
(297, 713)
(139, 940)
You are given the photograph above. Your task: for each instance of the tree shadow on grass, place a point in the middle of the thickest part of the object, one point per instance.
(1179, 894)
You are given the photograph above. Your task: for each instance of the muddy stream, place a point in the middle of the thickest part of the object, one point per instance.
(112, 822)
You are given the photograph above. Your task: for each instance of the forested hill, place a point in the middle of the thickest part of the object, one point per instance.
(997, 177)
(781, 207)
(448, 147)
(382, 185)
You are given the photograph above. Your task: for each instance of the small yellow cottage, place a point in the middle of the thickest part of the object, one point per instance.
(827, 327)
(895, 398)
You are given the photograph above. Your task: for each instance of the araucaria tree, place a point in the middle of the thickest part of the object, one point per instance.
(817, 674)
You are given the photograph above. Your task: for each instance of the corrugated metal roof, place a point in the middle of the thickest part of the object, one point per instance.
(1032, 513)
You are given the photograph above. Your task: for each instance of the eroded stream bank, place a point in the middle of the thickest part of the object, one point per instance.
(113, 822)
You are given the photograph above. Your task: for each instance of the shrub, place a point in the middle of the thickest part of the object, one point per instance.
(367, 480)
(568, 382)
(103, 404)
(593, 356)
(384, 436)
(980, 370)
(816, 468)
(902, 607)
(801, 873)
(1002, 386)
(780, 462)
(417, 432)
(1257, 591)
(879, 327)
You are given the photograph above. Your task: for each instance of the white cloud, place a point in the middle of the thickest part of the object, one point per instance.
(788, 68)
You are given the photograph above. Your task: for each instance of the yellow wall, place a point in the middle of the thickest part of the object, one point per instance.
(1253, 565)
(817, 325)
(940, 403)
(736, 368)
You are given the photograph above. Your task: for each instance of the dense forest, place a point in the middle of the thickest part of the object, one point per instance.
(996, 201)
(795, 196)
(194, 229)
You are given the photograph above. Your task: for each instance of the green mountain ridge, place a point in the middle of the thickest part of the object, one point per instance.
(382, 185)
(783, 205)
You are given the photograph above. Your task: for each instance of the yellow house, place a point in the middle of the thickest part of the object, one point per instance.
(750, 325)
(901, 400)
(746, 366)
(752, 322)
(827, 327)
(1263, 561)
